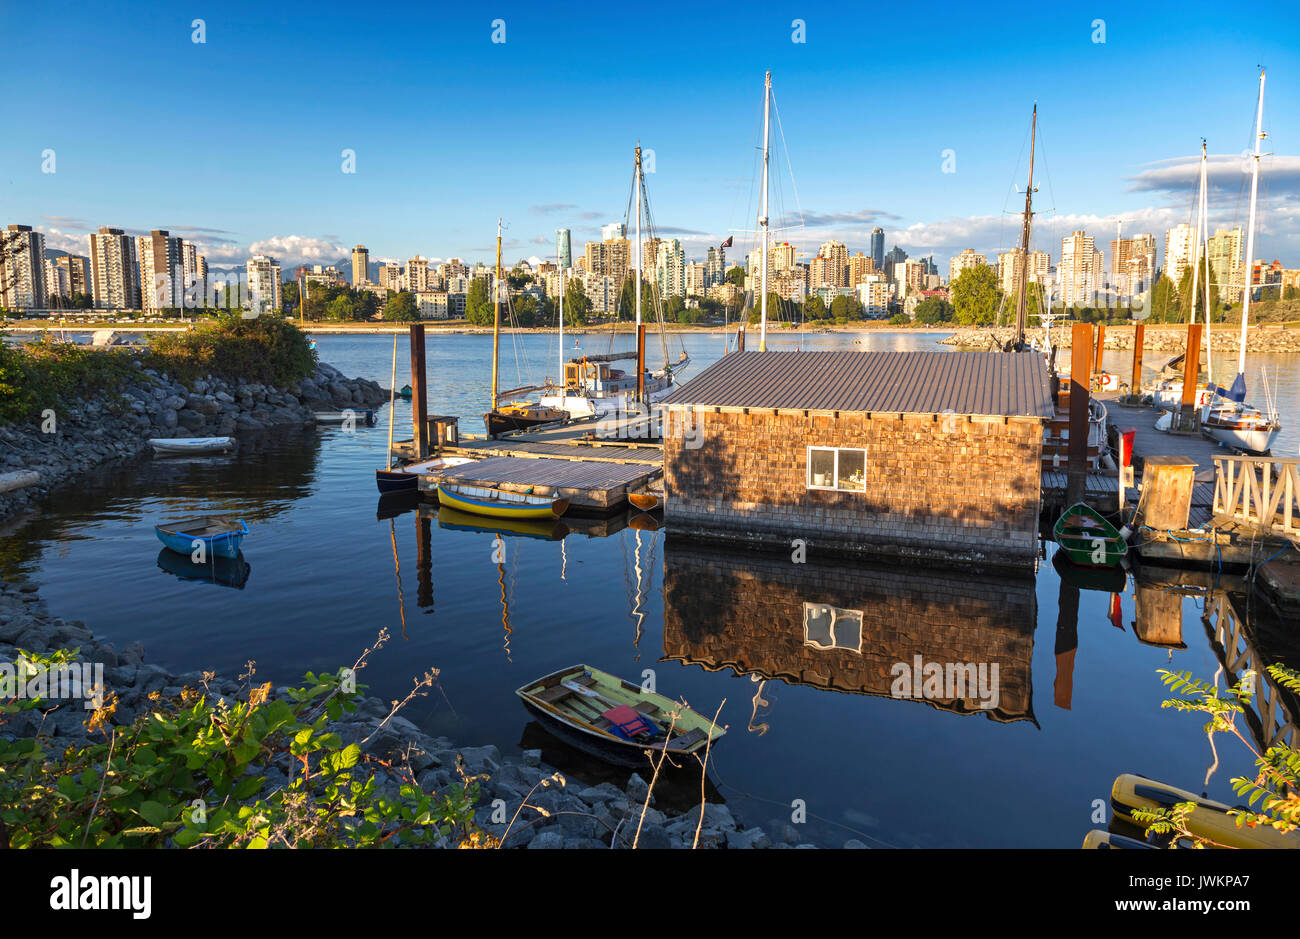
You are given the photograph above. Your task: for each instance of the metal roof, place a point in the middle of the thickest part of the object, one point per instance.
(1009, 384)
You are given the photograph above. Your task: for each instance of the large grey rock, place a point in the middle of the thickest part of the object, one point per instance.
(547, 840)
(749, 838)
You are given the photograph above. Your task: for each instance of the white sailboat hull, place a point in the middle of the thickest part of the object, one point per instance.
(1251, 439)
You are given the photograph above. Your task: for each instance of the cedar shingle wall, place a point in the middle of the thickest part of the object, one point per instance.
(946, 489)
(747, 613)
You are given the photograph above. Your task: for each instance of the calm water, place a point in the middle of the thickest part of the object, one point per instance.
(326, 572)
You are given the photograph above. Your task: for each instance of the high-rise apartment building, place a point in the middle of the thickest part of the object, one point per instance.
(161, 269)
(78, 271)
(1040, 269)
(56, 284)
(417, 274)
(831, 266)
(564, 247)
(1178, 250)
(716, 266)
(967, 259)
(609, 258)
(1133, 264)
(360, 265)
(263, 283)
(878, 248)
(859, 268)
(194, 287)
(1227, 273)
(116, 273)
(22, 268)
(614, 231)
(1080, 272)
(670, 269)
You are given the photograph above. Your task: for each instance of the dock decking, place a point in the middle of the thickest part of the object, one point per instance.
(598, 486)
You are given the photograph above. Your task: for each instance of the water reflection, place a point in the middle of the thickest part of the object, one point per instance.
(848, 628)
(223, 572)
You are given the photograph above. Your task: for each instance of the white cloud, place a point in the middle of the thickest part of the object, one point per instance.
(292, 250)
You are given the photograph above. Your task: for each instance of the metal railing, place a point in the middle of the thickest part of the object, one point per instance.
(1262, 490)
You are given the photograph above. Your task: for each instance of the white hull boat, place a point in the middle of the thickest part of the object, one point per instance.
(191, 444)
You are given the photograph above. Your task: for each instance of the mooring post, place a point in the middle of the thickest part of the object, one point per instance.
(1080, 380)
(1101, 345)
(740, 338)
(1135, 384)
(423, 561)
(1191, 372)
(419, 398)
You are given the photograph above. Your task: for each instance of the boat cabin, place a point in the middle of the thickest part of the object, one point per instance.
(921, 455)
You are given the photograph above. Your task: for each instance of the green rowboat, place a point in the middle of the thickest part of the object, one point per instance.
(1087, 538)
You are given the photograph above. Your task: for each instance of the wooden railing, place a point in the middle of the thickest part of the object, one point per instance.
(1268, 716)
(1262, 490)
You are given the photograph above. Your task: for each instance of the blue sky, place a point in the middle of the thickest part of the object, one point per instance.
(237, 142)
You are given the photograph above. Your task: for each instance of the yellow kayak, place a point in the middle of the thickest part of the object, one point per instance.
(1210, 819)
(500, 503)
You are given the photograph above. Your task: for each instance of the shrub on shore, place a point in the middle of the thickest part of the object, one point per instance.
(48, 372)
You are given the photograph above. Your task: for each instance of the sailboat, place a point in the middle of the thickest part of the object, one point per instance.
(1228, 418)
(590, 386)
(504, 418)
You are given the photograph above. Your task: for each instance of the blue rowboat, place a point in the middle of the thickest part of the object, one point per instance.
(220, 537)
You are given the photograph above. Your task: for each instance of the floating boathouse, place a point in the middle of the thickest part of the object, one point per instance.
(913, 455)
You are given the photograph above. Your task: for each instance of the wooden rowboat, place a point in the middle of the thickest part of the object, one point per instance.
(599, 713)
(1210, 819)
(191, 444)
(220, 537)
(1087, 538)
(645, 501)
(406, 478)
(500, 503)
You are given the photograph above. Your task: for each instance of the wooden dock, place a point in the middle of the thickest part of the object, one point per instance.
(589, 485)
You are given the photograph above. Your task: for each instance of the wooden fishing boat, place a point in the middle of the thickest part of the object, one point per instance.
(509, 417)
(406, 478)
(1087, 538)
(222, 571)
(500, 503)
(191, 444)
(614, 719)
(542, 529)
(221, 537)
(1210, 819)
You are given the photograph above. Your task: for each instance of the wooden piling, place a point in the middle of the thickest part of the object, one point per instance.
(423, 561)
(1135, 384)
(1080, 380)
(1191, 372)
(1101, 345)
(419, 396)
(740, 339)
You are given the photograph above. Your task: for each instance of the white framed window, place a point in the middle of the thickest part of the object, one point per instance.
(829, 627)
(842, 469)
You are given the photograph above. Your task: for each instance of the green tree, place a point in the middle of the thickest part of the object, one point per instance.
(1164, 301)
(341, 308)
(845, 308)
(934, 310)
(478, 303)
(577, 306)
(975, 296)
(814, 308)
(1190, 308)
(401, 307)
(737, 276)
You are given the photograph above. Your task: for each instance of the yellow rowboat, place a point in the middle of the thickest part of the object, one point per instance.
(1209, 819)
(645, 501)
(500, 503)
(614, 719)
(1098, 840)
(546, 529)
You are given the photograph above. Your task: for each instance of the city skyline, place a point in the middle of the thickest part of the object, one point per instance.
(280, 188)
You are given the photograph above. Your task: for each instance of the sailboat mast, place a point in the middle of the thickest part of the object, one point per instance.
(638, 236)
(1202, 241)
(496, 318)
(392, 405)
(762, 217)
(1250, 232)
(1022, 286)
(559, 261)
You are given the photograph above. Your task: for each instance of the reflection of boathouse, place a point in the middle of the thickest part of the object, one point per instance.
(845, 627)
(932, 455)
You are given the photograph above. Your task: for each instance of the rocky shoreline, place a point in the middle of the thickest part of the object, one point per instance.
(1163, 338)
(572, 816)
(158, 405)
